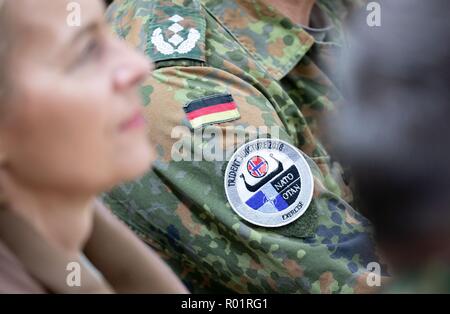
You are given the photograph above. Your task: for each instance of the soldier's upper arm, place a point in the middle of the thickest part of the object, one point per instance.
(180, 207)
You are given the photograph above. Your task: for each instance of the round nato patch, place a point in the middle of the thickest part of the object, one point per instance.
(269, 183)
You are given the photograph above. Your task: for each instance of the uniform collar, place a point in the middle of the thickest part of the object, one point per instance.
(44, 262)
(276, 42)
(321, 25)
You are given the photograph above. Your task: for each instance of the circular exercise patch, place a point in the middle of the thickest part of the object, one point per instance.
(269, 183)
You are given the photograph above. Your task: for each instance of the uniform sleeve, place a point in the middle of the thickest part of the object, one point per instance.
(180, 207)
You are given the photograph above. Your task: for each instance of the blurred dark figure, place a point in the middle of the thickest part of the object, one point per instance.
(394, 134)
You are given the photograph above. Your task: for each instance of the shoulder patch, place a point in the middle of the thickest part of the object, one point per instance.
(269, 183)
(176, 32)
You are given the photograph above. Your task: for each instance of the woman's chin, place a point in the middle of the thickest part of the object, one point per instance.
(137, 164)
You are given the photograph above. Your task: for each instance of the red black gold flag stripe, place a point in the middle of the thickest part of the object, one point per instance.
(211, 110)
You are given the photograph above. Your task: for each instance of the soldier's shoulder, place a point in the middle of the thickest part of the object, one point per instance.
(123, 11)
(164, 29)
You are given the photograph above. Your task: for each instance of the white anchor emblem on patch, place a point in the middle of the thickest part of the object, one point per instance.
(176, 43)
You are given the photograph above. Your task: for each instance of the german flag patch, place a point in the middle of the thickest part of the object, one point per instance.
(211, 110)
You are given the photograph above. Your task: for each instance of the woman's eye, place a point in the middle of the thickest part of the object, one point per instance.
(91, 49)
(91, 52)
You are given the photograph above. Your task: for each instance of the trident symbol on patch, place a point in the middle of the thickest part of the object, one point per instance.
(176, 43)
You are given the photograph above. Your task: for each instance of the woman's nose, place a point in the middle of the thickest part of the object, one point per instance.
(132, 69)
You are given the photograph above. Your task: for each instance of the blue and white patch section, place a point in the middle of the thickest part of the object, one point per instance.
(269, 183)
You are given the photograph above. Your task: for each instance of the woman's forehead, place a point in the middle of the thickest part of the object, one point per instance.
(44, 22)
(52, 14)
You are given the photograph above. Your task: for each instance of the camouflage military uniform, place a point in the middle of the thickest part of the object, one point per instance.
(275, 72)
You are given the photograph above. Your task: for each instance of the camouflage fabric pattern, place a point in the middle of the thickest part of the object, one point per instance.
(267, 64)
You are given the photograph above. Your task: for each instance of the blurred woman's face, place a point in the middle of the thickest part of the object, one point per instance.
(71, 118)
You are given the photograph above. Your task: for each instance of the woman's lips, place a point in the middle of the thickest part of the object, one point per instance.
(135, 122)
